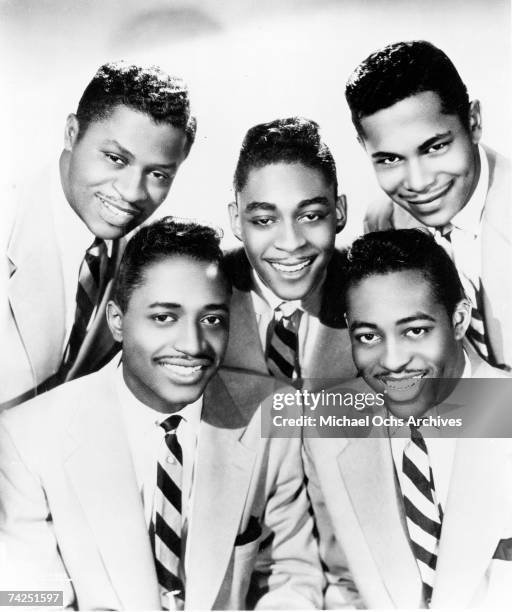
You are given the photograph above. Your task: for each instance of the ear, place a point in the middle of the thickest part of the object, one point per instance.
(70, 132)
(115, 321)
(360, 140)
(475, 121)
(341, 212)
(234, 218)
(461, 318)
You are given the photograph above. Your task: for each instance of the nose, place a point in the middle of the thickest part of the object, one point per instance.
(394, 356)
(419, 177)
(189, 339)
(289, 237)
(130, 186)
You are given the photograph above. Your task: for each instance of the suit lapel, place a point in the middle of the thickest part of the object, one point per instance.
(475, 512)
(331, 356)
(102, 475)
(35, 289)
(223, 473)
(366, 467)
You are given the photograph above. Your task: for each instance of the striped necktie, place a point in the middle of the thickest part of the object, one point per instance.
(476, 331)
(423, 513)
(166, 526)
(90, 284)
(283, 344)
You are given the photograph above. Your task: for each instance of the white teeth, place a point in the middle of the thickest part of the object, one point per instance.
(115, 210)
(180, 369)
(291, 267)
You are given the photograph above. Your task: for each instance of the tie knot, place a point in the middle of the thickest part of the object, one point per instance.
(170, 425)
(445, 231)
(97, 248)
(290, 311)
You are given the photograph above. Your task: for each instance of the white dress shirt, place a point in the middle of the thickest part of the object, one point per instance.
(147, 446)
(265, 302)
(73, 239)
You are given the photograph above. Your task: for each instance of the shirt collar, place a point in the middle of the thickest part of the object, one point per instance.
(266, 298)
(468, 218)
(142, 418)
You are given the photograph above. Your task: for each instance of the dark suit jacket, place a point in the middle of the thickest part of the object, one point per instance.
(332, 356)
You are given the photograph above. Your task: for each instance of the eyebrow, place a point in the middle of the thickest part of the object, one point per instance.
(268, 206)
(129, 155)
(175, 306)
(424, 145)
(419, 316)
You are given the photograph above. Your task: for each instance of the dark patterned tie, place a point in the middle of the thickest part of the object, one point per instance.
(424, 515)
(90, 284)
(166, 526)
(283, 345)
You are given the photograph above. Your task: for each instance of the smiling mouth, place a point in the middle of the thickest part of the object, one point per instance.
(292, 267)
(430, 198)
(181, 369)
(118, 211)
(402, 383)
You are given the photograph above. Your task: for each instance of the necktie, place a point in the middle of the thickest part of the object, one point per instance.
(166, 527)
(424, 515)
(283, 344)
(90, 284)
(476, 331)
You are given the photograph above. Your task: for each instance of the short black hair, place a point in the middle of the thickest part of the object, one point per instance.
(401, 70)
(147, 89)
(290, 140)
(167, 237)
(390, 251)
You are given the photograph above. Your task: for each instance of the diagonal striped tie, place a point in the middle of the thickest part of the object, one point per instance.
(283, 345)
(90, 281)
(476, 331)
(424, 515)
(166, 525)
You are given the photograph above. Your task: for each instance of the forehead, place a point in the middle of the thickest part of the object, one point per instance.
(137, 132)
(385, 299)
(285, 185)
(181, 280)
(409, 123)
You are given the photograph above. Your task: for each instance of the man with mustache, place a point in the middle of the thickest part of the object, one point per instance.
(421, 132)
(122, 149)
(408, 515)
(287, 308)
(149, 484)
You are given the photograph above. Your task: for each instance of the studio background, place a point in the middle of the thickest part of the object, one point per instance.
(245, 62)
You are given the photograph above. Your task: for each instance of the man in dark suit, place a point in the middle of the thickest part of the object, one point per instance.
(415, 120)
(122, 149)
(287, 311)
(149, 485)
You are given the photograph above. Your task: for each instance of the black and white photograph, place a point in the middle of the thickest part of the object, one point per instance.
(255, 297)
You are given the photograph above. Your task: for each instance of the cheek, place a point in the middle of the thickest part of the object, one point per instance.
(389, 179)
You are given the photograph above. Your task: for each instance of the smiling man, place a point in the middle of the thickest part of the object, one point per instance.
(122, 149)
(419, 518)
(286, 310)
(418, 126)
(148, 485)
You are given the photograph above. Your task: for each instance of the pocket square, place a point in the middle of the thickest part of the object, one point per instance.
(252, 532)
(504, 550)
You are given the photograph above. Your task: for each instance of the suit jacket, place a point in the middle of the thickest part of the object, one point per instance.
(332, 356)
(32, 315)
(364, 542)
(70, 505)
(496, 252)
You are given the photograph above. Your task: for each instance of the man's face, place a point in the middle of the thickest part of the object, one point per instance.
(174, 332)
(426, 161)
(287, 216)
(402, 338)
(119, 171)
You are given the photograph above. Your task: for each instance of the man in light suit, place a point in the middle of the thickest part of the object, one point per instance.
(122, 149)
(287, 213)
(414, 119)
(409, 516)
(90, 500)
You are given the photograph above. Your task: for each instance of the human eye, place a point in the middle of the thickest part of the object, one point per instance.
(438, 147)
(160, 177)
(414, 333)
(311, 216)
(115, 159)
(214, 320)
(388, 161)
(368, 338)
(262, 221)
(163, 318)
